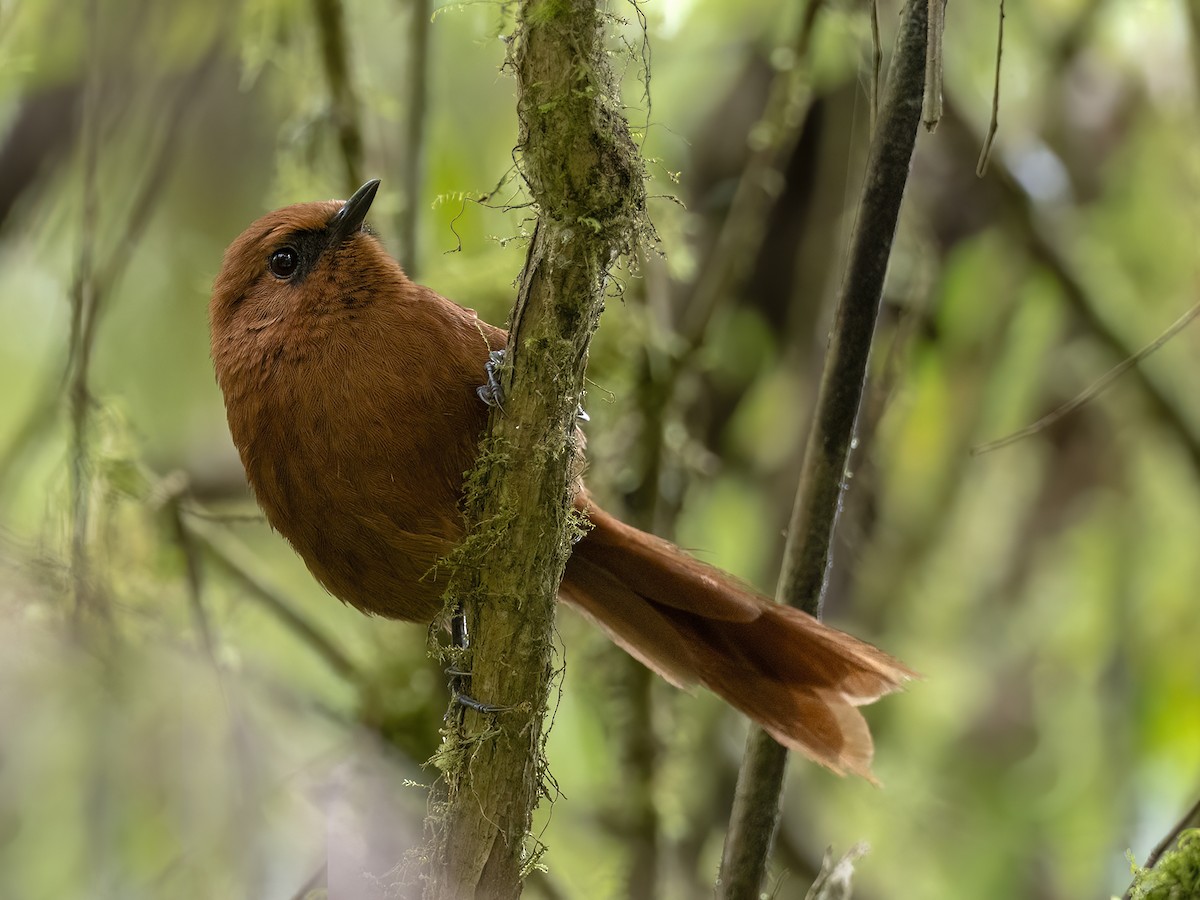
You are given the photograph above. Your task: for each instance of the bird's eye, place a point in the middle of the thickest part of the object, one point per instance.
(284, 262)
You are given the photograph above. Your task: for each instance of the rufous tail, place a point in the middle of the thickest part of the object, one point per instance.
(796, 677)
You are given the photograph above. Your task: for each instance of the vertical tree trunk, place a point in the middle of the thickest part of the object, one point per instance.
(585, 174)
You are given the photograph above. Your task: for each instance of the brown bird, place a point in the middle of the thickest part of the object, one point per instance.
(352, 397)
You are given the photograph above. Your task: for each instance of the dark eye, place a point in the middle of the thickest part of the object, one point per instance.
(283, 262)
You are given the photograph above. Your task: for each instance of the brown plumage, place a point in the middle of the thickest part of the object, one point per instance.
(351, 396)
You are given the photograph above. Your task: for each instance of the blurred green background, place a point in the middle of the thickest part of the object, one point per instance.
(184, 713)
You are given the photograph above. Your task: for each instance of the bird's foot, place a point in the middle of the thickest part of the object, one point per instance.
(491, 392)
(459, 684)
(460, 679)
(471, 703)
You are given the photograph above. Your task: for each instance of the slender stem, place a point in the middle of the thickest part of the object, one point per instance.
(414, 131)
(931, 109)
(823, 477)
(1092, 390)
(83, 303)
(193, 576)
(1191, 819)
(95, 283)
(876, 63)
(753, 819)
(985, 153)
(637, 742)
(102, 278)
(1044, 246)
(831, 439)
(235, 559)
(742, 229)
(343, 102)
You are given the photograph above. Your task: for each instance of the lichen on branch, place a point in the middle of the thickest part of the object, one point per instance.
(587, 180)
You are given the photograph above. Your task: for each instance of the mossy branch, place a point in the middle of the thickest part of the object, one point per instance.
(822, 478)
(1173, 867)
(587, 179)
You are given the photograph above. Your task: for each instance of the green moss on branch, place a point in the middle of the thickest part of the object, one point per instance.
(587, 179)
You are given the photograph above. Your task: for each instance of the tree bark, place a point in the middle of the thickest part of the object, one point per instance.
(587, 179)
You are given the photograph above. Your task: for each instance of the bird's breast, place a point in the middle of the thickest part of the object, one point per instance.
(357, 456)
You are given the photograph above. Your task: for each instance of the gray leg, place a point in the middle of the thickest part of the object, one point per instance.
(491, 392)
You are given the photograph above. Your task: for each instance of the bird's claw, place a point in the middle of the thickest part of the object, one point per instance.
(471, 703)
(491, 392)
(460, 679)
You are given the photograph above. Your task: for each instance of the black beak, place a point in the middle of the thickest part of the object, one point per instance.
(347, 221)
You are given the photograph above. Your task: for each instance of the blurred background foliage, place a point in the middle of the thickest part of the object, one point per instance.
(186, 714)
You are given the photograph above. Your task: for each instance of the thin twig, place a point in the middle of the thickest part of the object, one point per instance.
(104, 276)
(826, 456)
(343, 101)
(742, 229)
(235, 560)
(833, 882)
(741, 232)
(985, 154)
(414, 131)
(180, 103)
(83, 303)
(876, 63)
(931, 107)
(254, 518)
(637, 817)
(1095, 388)
(95, 283)
(637, 820)
(1042, 245)
(242, 745)
(193, 576)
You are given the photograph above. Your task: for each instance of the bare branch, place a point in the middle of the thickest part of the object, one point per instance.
(826, 456)
(1043, 246)
(742, 229)
(985, 153)
(417, 82)
(235, 560)
(931, 108)
(343, 101)
(876, 63)
(94, 283)
(1094, 389)
(83, 308)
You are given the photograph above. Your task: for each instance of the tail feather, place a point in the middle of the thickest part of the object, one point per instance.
(798, 678)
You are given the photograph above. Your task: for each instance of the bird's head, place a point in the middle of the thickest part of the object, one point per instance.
(301, 263)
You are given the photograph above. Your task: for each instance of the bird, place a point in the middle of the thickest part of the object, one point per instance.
(353, 397)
